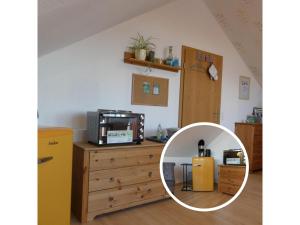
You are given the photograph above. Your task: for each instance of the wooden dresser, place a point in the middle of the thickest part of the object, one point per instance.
(107, 179)
(230, 178)
(251, 136)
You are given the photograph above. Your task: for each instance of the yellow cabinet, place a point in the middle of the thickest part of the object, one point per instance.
(203, 173)
(54, 176)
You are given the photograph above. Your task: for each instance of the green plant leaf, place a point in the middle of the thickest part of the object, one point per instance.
(140, 42)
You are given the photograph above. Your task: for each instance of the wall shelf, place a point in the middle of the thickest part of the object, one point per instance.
(129, 58)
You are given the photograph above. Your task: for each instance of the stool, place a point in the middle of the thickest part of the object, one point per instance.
(186, 177)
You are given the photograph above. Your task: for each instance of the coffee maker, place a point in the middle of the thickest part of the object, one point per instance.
(202, 151)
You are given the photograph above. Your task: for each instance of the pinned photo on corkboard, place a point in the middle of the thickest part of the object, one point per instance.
(149, 90)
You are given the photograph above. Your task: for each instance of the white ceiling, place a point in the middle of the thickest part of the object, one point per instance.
(63, 22)
(241, 20)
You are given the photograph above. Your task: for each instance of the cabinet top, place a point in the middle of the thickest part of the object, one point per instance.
(91, 147)
(48, 132)
(237, 166)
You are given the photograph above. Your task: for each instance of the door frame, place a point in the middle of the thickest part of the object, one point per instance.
(181, 91)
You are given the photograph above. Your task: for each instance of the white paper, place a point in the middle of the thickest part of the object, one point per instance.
(119, 136)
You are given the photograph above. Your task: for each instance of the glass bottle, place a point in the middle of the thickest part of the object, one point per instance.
(170, 56)
(159, 132)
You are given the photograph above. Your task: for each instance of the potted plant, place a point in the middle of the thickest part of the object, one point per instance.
(140, 46)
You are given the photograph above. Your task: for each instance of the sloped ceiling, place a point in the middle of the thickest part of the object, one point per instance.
(62, 22)
(186, 143)
(241, 20)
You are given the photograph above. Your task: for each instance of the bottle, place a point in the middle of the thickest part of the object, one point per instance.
(175, 62)
(170, 56)
(159, 133)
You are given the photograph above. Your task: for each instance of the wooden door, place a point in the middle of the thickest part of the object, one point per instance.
(200, 97)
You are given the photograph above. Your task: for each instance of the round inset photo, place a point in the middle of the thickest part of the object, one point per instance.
(204, 166)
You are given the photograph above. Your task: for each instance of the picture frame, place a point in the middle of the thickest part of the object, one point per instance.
(244, 88)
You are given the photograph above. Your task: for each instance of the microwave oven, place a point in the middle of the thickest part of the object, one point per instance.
(233, 157)
(108, 127)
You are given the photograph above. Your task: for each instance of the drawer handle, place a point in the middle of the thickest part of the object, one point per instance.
(118, 180)
(112, 159)
(149, 190)
(150, 156)
(110, 199)
(150, 174)
(112, 179)
(44, 159)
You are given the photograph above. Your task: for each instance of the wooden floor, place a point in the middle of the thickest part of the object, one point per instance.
(200, 199)
(245, 210)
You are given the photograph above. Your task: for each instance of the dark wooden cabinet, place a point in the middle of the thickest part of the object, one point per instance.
(251, 136)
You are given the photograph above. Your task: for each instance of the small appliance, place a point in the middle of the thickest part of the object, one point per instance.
(207, 153)
(201, 144)
(233, 157)
(171, 131)
(107, 127)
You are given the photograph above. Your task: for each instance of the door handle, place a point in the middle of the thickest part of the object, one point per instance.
(198, 165)
(44, 159)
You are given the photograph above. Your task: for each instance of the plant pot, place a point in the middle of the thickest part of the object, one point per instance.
(140, 54)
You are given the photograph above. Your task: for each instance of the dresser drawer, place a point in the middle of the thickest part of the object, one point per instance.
(229, 180)
(101, 200)
(232, 171)
(231, 175)
(125, 157)
(104, 179)
(228, 188)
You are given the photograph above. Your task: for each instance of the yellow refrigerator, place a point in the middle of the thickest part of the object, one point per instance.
(203, 173)
(54, 176)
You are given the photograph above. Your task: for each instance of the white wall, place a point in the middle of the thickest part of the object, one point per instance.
(186, 142)
(90, 74)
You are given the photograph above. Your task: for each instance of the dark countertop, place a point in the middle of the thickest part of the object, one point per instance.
(91, 147)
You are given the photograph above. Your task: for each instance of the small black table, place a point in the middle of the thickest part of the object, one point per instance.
(187, 185)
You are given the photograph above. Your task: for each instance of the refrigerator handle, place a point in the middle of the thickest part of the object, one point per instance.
(44, 159)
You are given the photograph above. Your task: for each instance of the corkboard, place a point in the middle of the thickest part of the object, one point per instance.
(148, 90)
